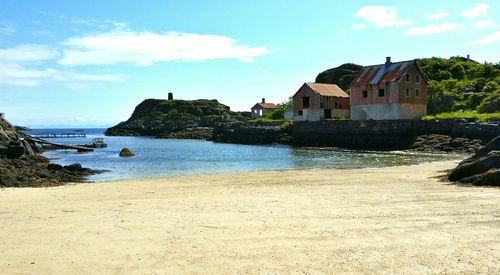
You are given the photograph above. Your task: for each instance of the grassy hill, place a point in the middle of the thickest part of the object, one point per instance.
(156, 116)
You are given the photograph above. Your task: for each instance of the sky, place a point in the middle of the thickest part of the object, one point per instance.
(89, 63)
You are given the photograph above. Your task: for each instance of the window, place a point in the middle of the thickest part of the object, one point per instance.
(305, 102)
(381, 92)
(365, 94)
(408, 92)
(321, 105)
(336, 104)
(417, 92)
(300, 112)
(407, 77)
(417, 78)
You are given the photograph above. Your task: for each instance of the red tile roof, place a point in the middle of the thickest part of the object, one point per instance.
(327, 89)
(265, 105)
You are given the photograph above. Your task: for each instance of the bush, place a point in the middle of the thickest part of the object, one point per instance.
(491, 103)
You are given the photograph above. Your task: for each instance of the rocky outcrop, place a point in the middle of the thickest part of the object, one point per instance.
(125, 153)
(483, 168)
(445, 143)
(342, 75)
(164, 118)
(20, 166)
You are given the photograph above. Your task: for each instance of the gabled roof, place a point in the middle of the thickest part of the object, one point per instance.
(327, 89)
(375, 74)
(265, 105)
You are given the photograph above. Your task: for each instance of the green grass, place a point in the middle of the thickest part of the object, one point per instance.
(465, 114)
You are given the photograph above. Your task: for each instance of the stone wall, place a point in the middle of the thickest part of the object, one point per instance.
(384, 133)
(369, 134)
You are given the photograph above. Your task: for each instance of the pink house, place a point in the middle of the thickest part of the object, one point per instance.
(389, 91)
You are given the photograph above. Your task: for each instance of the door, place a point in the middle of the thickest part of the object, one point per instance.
(328, 114)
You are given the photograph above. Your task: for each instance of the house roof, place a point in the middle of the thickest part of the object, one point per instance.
(375, 74)
(327, 89)
(265, 105)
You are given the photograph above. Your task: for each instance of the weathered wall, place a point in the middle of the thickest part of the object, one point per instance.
(383, 133)
(370, 134)
(308, 115)
(388, 111)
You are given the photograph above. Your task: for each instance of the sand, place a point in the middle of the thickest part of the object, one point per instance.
(388, 220)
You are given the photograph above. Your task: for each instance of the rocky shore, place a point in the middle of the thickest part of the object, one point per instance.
(22, 166)
(483, 168)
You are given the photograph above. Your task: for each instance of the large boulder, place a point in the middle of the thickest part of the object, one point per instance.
(483, 168)
(125, 152)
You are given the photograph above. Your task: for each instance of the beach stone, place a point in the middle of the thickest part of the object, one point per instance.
(125, 152)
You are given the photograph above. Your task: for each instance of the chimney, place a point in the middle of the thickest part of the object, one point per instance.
(263, 100)
(170, 96)
(388, 60)
(468, 57)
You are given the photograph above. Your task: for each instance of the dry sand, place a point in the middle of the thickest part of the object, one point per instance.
(389, 220)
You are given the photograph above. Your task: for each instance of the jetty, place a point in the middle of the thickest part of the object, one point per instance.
(63, 135)
(55, 145)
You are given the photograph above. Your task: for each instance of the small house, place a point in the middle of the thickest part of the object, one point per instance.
(389, 91)
(317, 101)
(259, 109)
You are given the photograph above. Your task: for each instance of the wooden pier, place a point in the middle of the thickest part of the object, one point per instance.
(64, 135)
(55, 145)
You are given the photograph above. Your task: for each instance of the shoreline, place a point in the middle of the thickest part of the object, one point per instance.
(376, 220)
(294, 169)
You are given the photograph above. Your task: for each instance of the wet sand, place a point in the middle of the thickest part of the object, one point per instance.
(384, 220)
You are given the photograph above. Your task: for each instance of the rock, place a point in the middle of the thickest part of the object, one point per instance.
(483, 168)
(479, 166)
(75, 167)
(53, 166)
(490, 177)
(15, 151)
(125, 152)
(28, 150)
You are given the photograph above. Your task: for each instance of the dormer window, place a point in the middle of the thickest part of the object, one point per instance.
(417, 78)
(407, 77)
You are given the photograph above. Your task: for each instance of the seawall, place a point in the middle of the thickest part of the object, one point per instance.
(369, 134)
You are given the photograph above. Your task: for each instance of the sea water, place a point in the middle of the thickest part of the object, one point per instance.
(174, 157)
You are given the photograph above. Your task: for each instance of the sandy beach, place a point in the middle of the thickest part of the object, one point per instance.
(384, 220)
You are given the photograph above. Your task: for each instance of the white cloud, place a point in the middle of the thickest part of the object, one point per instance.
(147, 48)
(495, 37)
(478, 10)
(437, 16)
(430, 29)
(481, 24)
(381, 16)
(358, 26)
(18, 66)
(28, 53)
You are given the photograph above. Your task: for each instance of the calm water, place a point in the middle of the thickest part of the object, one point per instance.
(171, 157)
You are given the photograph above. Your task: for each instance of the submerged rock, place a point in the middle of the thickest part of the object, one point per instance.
(125, 152)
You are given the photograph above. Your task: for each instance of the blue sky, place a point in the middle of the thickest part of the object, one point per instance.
(89, 63)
